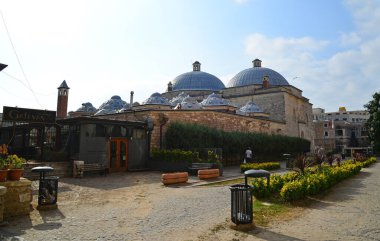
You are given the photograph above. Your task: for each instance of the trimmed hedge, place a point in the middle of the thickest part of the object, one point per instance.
(188, 136)
(293, 186)
(264, 165)
(311, 184)
(369, 162)
(277, 181)
(174, 155)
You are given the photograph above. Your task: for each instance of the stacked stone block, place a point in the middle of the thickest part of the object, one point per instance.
(17, 198)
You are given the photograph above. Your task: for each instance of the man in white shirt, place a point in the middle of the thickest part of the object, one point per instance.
(248, 155)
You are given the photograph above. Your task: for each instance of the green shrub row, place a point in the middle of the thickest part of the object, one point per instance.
(313, 183)
(369, 161)
(188, 136)
(175, 155)
(260, 188)
(263, 165)
(293, 186)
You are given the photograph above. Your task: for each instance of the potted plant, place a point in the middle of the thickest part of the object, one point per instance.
(3, 169)
(16, 165)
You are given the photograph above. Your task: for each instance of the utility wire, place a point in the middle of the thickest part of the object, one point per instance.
(4, 72)
(18, 60)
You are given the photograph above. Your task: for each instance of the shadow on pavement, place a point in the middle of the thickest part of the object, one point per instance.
(343, 191)
(266, 234)
(115, 180)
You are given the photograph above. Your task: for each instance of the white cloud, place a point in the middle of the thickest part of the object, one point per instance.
(346, 78)
(366, 14)
(348, 39)
(240, 1)
(261, 45)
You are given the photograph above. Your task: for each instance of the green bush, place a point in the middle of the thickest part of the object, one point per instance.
(260, 188)
(313, 183)
(369, 162)
(189, 136)
(294, 186)
(175, 155)
(264, 165)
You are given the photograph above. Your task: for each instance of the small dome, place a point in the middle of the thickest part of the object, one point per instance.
(114, 105)
(125, 108)
(178, 99)
(156, 99)
(115, 97)
(249, 108)
(197, 80)
(190, 103)
(254, 76)
(214, 100)
(87, 107)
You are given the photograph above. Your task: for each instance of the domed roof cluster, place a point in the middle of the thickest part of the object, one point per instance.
(190, 103)
(178, 99)
(197, 80)
(114, 105)
(254, 76)
(249, 108)
(87, 107)
(156, 99)
(214, 100)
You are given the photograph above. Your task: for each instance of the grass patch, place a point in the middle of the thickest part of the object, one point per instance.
(225, 183)
(266, 210)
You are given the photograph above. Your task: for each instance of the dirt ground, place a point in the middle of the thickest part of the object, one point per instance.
(136, 206)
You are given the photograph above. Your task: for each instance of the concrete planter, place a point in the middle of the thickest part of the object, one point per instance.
(15, 174)
(3, 175)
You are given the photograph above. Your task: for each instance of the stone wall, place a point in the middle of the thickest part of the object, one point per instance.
(17, 198)
(219, 120)
(3, 191)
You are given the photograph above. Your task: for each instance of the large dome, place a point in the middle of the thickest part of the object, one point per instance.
(254, 76)
(197, 80)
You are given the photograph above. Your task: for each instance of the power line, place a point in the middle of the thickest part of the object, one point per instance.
(18, 60)
(3, 72)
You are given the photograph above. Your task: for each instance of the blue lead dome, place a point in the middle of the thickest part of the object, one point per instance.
(197, 80)
(254, 76)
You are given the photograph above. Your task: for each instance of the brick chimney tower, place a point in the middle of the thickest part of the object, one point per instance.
(63, 98)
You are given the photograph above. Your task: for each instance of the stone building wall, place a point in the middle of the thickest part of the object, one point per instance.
(17, 197)
(3, 190)
(215, 119)
(299, 117)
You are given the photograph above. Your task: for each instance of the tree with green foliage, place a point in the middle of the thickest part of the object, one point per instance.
(373, 123)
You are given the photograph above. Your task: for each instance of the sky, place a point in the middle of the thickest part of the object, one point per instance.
(328, 49)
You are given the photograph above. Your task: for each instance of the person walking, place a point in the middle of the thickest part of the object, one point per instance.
(248, 155)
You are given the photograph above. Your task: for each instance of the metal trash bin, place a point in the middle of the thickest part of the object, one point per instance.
(288, 160)
(241, 204)
(256, 174)
(48, 186)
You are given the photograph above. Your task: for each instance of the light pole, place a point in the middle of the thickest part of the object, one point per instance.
(2, 66)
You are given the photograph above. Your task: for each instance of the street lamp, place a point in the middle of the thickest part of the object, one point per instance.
(2, 66)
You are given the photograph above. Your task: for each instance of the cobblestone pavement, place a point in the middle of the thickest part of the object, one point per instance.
(348, 211)
(136, 206)
(123, 206)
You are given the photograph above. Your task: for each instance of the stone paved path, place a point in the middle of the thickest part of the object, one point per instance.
(348, 211)
(136, 206)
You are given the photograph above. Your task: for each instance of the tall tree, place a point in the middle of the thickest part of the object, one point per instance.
(373, 123)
